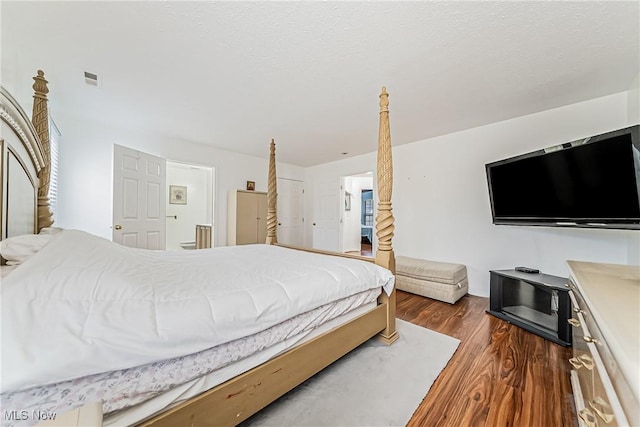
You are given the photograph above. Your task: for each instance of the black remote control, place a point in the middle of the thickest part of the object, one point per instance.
(528, 270)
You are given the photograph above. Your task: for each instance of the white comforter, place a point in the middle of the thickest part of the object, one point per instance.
(84, 305)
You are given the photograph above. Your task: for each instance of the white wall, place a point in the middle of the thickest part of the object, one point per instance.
(347, 225)
(440, 197)
(441, 204)
(633, 103)
(86, 157)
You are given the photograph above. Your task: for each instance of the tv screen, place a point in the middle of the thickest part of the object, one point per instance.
(594, 182)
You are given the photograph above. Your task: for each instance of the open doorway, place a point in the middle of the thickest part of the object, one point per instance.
(159, 204)
(190, 203)
(366, 227)
(357, 221)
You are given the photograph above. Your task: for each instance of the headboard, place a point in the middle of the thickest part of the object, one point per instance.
(24, 163)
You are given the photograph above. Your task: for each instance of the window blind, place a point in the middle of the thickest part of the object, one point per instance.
(54, 144)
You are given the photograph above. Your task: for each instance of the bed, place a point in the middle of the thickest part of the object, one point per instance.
(260, 355)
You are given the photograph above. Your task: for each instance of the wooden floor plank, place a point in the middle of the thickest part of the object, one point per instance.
(501, 375)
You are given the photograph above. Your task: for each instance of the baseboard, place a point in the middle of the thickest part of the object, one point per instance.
(479, 292)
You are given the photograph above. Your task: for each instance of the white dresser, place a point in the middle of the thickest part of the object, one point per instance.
(606, 343)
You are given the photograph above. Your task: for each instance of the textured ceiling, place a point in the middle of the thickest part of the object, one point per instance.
(236, 74)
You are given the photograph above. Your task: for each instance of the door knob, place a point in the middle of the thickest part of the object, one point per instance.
(118, 227)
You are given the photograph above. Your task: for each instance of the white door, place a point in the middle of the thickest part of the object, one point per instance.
(138, 198)
(326, 215)
(290, 208)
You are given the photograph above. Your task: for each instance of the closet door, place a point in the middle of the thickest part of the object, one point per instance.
(261, 217)
(247, 219)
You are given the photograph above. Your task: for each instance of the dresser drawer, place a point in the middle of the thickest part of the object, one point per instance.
(595, 368)
(582, 375)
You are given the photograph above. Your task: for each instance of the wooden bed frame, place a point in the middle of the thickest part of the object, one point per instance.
(25, 156)
(237, 399)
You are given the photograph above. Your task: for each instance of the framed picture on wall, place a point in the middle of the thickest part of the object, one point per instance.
(251, 185)
(177, 195)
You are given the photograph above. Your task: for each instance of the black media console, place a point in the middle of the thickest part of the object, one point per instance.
(536, 302)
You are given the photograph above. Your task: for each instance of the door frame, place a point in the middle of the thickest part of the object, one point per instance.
(212, 188)
(343, 179)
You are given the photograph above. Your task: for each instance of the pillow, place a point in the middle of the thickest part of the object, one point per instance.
(18, 249)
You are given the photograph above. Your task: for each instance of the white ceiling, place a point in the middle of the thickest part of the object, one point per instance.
(236, 74)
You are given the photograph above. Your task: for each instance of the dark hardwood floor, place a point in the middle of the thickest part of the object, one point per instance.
(365, 249)
(500, 375)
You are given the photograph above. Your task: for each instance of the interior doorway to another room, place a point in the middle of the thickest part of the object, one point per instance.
(159, 204)
(358, 219)
(366, 230)
(190, 203)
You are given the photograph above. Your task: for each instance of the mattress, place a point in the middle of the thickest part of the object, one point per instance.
(133, 394)
(96, 306)
(160, 403)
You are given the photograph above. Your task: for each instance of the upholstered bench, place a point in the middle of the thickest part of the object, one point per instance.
(438, 280)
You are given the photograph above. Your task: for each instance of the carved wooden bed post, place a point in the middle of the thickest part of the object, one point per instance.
(40, 119)
(384, 218)
(272, 197)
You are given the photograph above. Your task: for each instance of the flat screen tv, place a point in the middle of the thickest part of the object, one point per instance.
(592, 182)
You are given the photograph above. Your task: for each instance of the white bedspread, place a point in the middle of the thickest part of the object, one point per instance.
(84, 305)
(134, 387)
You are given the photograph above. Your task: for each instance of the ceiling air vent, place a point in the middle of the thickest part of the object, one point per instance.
(90, 78)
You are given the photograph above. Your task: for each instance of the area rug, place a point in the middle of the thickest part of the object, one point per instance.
(374, 385)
